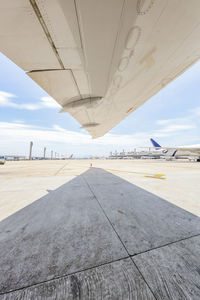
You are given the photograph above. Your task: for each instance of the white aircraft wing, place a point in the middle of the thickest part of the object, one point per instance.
(184, 149)
(101, 60)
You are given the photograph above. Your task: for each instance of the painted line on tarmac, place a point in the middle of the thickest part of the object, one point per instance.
(60, 169)
(159, 176)
(148, 175)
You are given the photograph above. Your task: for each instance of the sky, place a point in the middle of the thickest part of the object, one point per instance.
(27, 113)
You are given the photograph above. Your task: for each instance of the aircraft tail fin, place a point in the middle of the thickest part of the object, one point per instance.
(155, 144)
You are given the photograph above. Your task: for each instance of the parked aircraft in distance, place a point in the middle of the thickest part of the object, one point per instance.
(180, 151)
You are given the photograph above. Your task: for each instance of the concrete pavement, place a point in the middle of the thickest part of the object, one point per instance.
(98, 236)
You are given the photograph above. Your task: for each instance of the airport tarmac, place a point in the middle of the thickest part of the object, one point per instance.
(121, 229)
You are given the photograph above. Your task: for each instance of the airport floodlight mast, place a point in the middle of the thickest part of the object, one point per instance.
(44, 152)
(30, 151)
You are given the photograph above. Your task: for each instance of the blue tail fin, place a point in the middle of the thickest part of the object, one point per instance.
(155, 144)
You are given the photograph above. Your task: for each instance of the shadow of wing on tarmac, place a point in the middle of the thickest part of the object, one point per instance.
(93, 224)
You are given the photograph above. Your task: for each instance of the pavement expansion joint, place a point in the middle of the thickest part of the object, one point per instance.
(103, 264)
(160, 176)
(119, 237)
(60, 169)
(143, 278)
(129, 254)
(120, 214)
(106, 216)
(165, 245)
(65, 275)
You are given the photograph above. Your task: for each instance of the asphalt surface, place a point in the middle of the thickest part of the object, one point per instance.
(95, 235)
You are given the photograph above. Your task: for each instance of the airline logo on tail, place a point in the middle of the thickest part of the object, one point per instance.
(165, 151)
(157, 146)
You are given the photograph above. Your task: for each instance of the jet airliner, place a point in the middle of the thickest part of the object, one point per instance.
(181, 151)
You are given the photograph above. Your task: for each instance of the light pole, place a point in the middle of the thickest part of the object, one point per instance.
(45, 152)
(30, 151)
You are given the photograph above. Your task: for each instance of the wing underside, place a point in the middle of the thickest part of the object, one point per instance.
(101, 60)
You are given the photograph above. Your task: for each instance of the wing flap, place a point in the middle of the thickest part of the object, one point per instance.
(59, 84)
(122, 51)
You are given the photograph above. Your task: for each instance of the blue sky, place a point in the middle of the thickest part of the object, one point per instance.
(28, 113)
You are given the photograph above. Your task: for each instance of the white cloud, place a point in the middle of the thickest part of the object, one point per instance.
(172, 121)
(6, 100)
(190, 121)
(14, 125)
(29, 106)
(175, 128)
(195, 111)
(17, 136)
(49, 102)
(15, 139)
(176, 125)
(19, 121)
(58, 128)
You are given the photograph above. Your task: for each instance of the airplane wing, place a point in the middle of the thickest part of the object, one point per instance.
(196, 150)
(101, 60)
(186, 149)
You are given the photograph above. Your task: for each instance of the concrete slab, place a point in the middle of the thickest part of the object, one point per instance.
(117, 280)
(20, 192)
(142, 220)
(28, 183)
(181, 186)
(173, 271)
(97, 176)
(66, 230)
(61, 233)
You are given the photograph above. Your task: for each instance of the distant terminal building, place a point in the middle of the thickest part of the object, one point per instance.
(14, 157)
(144, 154)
